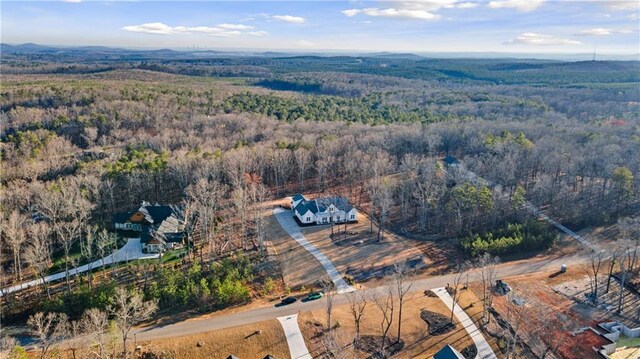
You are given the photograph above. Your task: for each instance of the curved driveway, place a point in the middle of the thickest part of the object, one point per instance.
(285, 218)
(484, 349)
(130, 251)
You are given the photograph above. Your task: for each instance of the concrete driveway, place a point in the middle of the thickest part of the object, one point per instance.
(130, 251)
(285, 218)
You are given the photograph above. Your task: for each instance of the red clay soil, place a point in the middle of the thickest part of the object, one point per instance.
(581, 346)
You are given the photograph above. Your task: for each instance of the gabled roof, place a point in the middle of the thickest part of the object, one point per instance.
(151, 236)
(170, 225)
(153, 214)
(322, 204)
(298, 197)
(450, 160)
(340, 203)
(448, 352)
(305, 206)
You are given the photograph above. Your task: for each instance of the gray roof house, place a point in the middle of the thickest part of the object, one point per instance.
(159, 227)
(323, 210)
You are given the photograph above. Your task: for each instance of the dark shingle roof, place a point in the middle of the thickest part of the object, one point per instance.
(340, 203)
(305, 206)
(321, 205)
(149, 235)
(298, 197)
(121, 217)
(448, 352)
(152, 213)
(450, 160)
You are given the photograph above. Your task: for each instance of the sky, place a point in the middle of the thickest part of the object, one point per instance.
(511, 26)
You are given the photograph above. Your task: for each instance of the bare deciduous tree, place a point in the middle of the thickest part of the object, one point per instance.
(357, 304)
(37, 254)
(50, 328)
(455, 289)
(518, 312)
(14, 234)
(129, 309)
(7, 345)
(381, 193)
(87, 250)
(332, 347)
(327, 288)
(402, 286)
(551, 331)
(487, 265)
(68, 233)
(95, 323)
(303, 161)
(593, 271)
(258, 194)
(105, 243)
(386, 304)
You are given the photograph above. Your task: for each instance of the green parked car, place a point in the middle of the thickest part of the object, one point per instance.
(315, 295)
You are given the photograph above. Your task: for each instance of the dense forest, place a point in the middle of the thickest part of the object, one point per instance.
(84, 137)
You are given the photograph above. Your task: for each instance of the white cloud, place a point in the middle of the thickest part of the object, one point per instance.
(427, 5)
(395, 13)
(602, 32)
(520, 5)
(532, 38)
(73, 1)
(234, 26)
(304, 43)
(467, 5)
(412, 9)
(621, 5)
(222, 30)
(289, 19)
(596, 32)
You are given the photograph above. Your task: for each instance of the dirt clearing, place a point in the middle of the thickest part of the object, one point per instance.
(415, 335)
(249, 341)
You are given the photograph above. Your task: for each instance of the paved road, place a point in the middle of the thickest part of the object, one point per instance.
(130, 251)
(287, 222)
(194, 326)
(484, 349)
(295, 340)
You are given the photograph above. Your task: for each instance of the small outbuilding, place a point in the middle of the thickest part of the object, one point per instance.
(451, 161)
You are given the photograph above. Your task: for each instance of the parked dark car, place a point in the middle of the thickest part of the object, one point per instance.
(289, 300)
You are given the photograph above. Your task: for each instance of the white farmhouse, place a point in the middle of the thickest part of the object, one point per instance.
(323, 210)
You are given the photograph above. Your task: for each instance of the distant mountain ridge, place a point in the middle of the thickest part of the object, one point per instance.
(34, 49)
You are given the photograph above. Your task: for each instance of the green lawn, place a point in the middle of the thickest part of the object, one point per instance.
(174, 256)
(628, 342)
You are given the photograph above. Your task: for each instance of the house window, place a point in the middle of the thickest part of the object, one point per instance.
(353, 216)
(308, 219)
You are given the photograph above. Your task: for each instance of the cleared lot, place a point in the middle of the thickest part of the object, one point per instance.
(418, 341)
(248, 341)
(359, 254)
